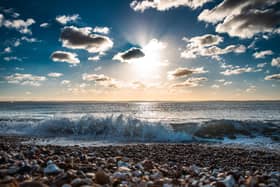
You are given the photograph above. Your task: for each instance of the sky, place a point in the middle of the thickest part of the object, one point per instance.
(108, 50)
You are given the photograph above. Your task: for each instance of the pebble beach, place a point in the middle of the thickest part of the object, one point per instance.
(154, 165)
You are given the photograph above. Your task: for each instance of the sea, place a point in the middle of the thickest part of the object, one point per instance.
(243, 123)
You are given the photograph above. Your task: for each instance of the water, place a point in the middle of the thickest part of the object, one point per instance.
(246, 123)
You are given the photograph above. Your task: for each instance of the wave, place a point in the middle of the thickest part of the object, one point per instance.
(129, 129)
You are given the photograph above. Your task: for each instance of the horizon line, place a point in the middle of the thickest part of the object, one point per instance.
(221, 100)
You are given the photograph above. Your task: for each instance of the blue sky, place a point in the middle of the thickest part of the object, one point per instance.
(139, 50)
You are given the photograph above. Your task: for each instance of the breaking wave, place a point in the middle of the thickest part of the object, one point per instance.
(129, 129)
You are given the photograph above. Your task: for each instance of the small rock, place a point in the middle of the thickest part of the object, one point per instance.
(32, 184)
(251, 181)
(80, 182)
(101, 177)
(229, 181)
(8, 182)
(52, 169)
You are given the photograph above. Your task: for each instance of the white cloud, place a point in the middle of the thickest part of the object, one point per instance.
(20, 25)
(102, 30)
(227, 83)
(44, 25)
(242, 18)
(94, 58)
(238, 70)
(251, 89)
(162, 5)
(215, 86)
(12, 58)
(183, 72)
(64, 19)
(95, 77)
(1, 19)
(81, 38)
(25, 79)
(65, 82)
(261, 65)
(275, 62)
(262, 54)
(29, 40)
(205, 45)
(63, 56)
(55, 74)
(273, 77)
(98, 68)
(190, 82)
(7, 50)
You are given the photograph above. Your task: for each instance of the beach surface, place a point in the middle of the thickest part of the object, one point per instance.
(190, 164)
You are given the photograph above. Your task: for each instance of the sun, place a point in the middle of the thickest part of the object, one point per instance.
(149, 66)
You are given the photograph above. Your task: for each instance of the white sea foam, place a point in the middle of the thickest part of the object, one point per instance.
(126, 128)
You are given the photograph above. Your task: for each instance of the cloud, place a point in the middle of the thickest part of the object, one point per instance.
(95, 77)
(94, 58)
(98, 68)
(190, 82)
(273, 77)
(63, 56)
(8, 50)
(251, 89)
(262, 54)
(162, 5)
(276, 62)
(10, 11)
(1, 19)
(243, 19)
(12, 58)
(64, 19)
(261, 65)
(25, 79)
(205, 45)
(101, 30)
(81, 38)
(238, 70)
(65, 82)
(29, 40)
(205, 40)
(183, 72)
(215, 86)
(227, 83)
(55, 75)
(129, 55)
(44, 25)
(19, 25)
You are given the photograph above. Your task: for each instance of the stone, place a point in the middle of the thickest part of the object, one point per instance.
(251, 181)
(80, 182)
(33, 184)
(52, 169)
(101, 178)
(229, 181)
(8, 182)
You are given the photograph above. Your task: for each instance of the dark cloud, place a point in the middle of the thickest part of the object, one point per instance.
(133, 53)
(242, 18)
(183, 72)
(81, 38)
(130, 54)
(63, 56)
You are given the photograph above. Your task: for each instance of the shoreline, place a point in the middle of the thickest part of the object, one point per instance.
(135, 165)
